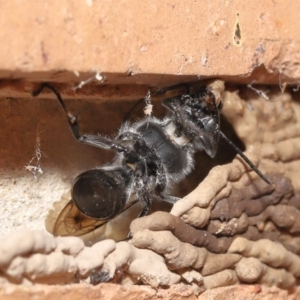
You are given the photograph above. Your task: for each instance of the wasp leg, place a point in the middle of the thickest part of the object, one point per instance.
(161, 183)
(129, 135)
(97, 277)
(72, 119)
(102, 142)
(159, 92)
(140, 183)
(161, 180)
(92, 140)
(170, 199)
(146, 202)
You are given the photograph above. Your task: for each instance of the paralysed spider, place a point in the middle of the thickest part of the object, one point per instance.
(153, 154)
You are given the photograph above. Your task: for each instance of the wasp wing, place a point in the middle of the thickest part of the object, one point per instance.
(71, 222)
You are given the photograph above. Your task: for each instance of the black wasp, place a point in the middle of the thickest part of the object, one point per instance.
(152, 155)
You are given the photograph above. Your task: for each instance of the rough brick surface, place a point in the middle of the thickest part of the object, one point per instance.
(207, 38)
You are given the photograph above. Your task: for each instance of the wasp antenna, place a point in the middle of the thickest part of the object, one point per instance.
(244, 157)
(173, 87)
(133, 109)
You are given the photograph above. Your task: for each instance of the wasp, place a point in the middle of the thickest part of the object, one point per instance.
(152, 155)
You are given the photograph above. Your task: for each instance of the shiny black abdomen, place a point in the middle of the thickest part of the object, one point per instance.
(102, 192)
(172, 155)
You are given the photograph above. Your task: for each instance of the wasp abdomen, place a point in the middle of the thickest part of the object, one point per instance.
(101, 192)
